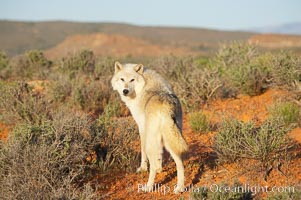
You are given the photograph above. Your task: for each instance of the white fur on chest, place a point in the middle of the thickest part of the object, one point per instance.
(137, 112)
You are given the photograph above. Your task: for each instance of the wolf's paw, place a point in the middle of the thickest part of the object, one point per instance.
(179, 189)
(141, 169)
(159, 170)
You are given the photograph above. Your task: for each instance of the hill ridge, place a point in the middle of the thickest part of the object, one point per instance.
(17, 37)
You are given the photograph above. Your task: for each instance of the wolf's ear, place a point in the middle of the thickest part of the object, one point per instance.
(118, 66)
(139, 68)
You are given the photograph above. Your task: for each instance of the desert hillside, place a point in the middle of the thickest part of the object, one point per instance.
(17, 37)
(275, 40)
(124, 39)
(120, 45)
(112, 45)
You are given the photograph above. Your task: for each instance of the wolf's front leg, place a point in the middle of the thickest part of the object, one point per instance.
(143, 165)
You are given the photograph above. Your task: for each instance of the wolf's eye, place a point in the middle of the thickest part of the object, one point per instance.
(132, 80)
(122, 79)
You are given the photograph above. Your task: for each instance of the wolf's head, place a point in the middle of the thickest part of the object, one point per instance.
(128, 79)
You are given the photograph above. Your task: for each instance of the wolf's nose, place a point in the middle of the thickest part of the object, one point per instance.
(125, 91)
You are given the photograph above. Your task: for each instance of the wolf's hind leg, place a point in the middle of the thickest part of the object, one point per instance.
(155, 160)
(180, 170)
(158, 155)
(159, 163)
(154, 149)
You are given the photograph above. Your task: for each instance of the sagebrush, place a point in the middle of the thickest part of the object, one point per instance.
(266, 143)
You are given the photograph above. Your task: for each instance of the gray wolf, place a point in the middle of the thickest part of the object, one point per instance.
(158, 114)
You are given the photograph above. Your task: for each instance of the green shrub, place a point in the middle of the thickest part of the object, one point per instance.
(81, 62)
(286, 70)
(60, 89)
(33, 64)
(199, 122)
(229, 139)
(37, 59)
(47, 161)
(3, 60)
(200, 62)
(20, 68)
(287, 111)
(54, 159)
(200, 193)
(193, 82)
(242, 69)
(226, 192)
(104, 67)
(291, 195)
(200, 86)
(20, 104)
(267, 143)
(84, 93)
(91, 95)
(235, 54)
(118, 137)
(4, 66)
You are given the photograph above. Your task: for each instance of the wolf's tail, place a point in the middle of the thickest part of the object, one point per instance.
(174, 141)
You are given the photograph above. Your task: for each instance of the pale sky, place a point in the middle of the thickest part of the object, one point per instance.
(217, 14)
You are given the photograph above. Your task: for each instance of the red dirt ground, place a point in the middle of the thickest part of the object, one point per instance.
(3, 131)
